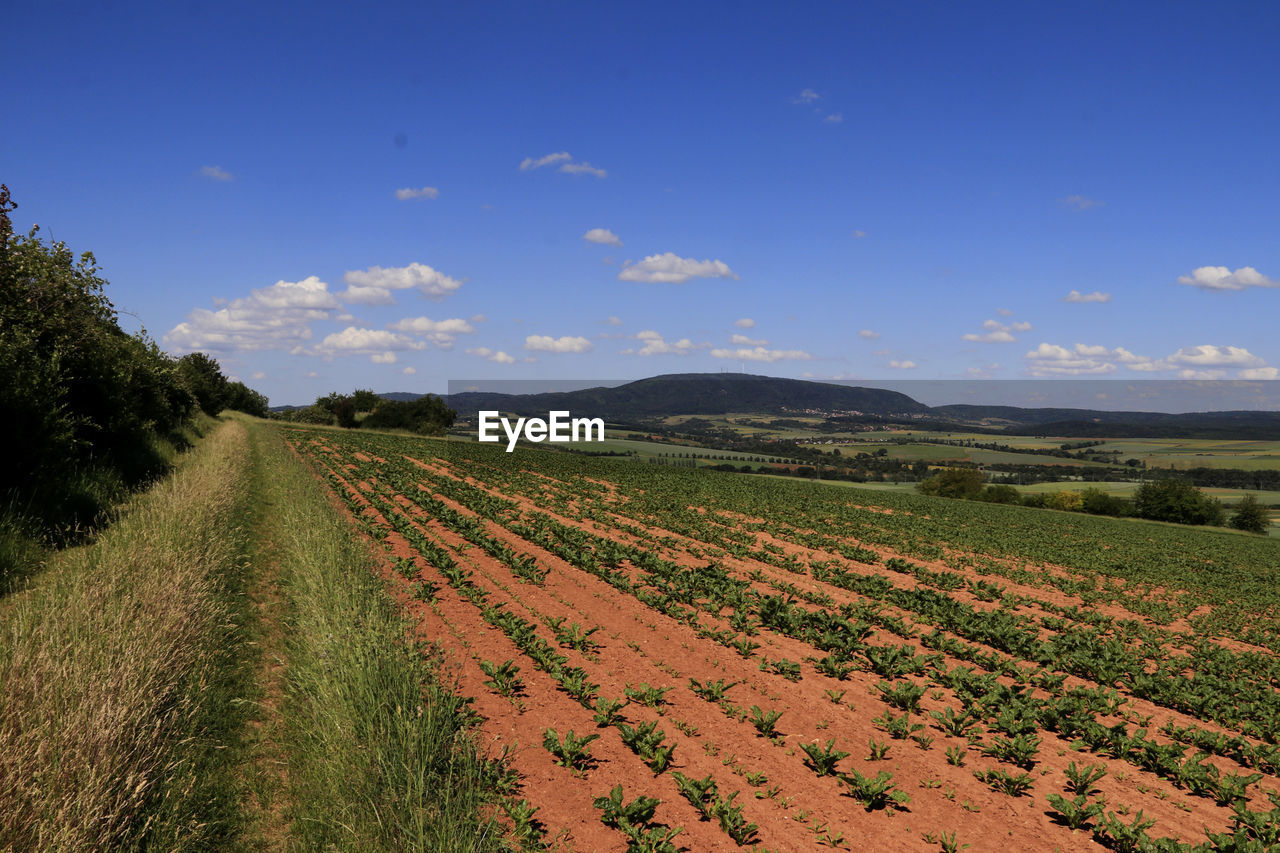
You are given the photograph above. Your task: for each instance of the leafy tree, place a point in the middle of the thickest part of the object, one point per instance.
(954, 483)
(427, 415)
(365, 400)
(203, 378)
(1178, 501)
(1001, 494)
(242, 398)
(1251, 515)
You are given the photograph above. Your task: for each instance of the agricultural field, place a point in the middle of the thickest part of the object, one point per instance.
(669, 659)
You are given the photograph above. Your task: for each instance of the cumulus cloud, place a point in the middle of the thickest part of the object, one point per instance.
(1207, 355)
(567, 164)
(413, 194)
(374, 285)
(744, 341)
(439, 332)
(867, 334)
(761, 354)
(671, 268)
(902, 365)
(409, 371)
(546, 343)
(613, 321)
(1197, 362)
(603, 236)
(655, 344)
(499, 357)
(275, 317)
(378, 343)
(1096, 296)
(1259, 373)
(997, 332)
(745, 323)
(808, 96)
(216, 173)
(1222, 278)
(1079, 202)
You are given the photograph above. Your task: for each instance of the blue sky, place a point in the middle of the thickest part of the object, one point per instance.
(327, 197)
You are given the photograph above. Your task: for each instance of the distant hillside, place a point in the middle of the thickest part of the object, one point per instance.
(696, 394)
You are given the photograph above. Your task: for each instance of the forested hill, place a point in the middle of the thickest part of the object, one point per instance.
(698, 394)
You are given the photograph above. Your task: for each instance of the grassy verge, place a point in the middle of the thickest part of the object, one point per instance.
(120, 664)
(378, 749)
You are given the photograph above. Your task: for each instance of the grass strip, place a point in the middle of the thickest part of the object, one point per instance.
(380, 753)
(121, 664)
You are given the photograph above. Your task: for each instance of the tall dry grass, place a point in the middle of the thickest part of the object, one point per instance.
(112, 668)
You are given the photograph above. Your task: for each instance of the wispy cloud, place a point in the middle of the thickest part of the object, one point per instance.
(834, 118)
(1079, 202)
(414, 194)
(867, 334)
(499, 357)
(807, 96)
(567, 164)
(216, 173)
(902, 365)
(745, 323)
(744, 341)
(997, 332)
(1096, 296)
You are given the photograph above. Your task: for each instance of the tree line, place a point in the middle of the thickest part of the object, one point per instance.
(427, 415)
(92, 410)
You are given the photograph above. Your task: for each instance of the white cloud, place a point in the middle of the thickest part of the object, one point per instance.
(439, 332)
(484, 352)
(858, 235)
(1221, 278)
(761, 354)
(997, 332)
(545, 343)
(603, 236)
(409, 371)
(655, 344)
(1004, 312)
(374, 285)
(745, 323)
(1205, 361)
(744, 341)
(530, 163)
(867, 334)
(1207, 355)
(613, 321)
(216, 173)
(387, 357)
(258, 374)
(1079, 202)
(413, 194)
(275, 317)
(1096, 296)
(902, 365)
(834, 118)
(1259, 373)
(807, 96)
(669, 267)
(377, 342)
(565, 159)
(583, 169)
